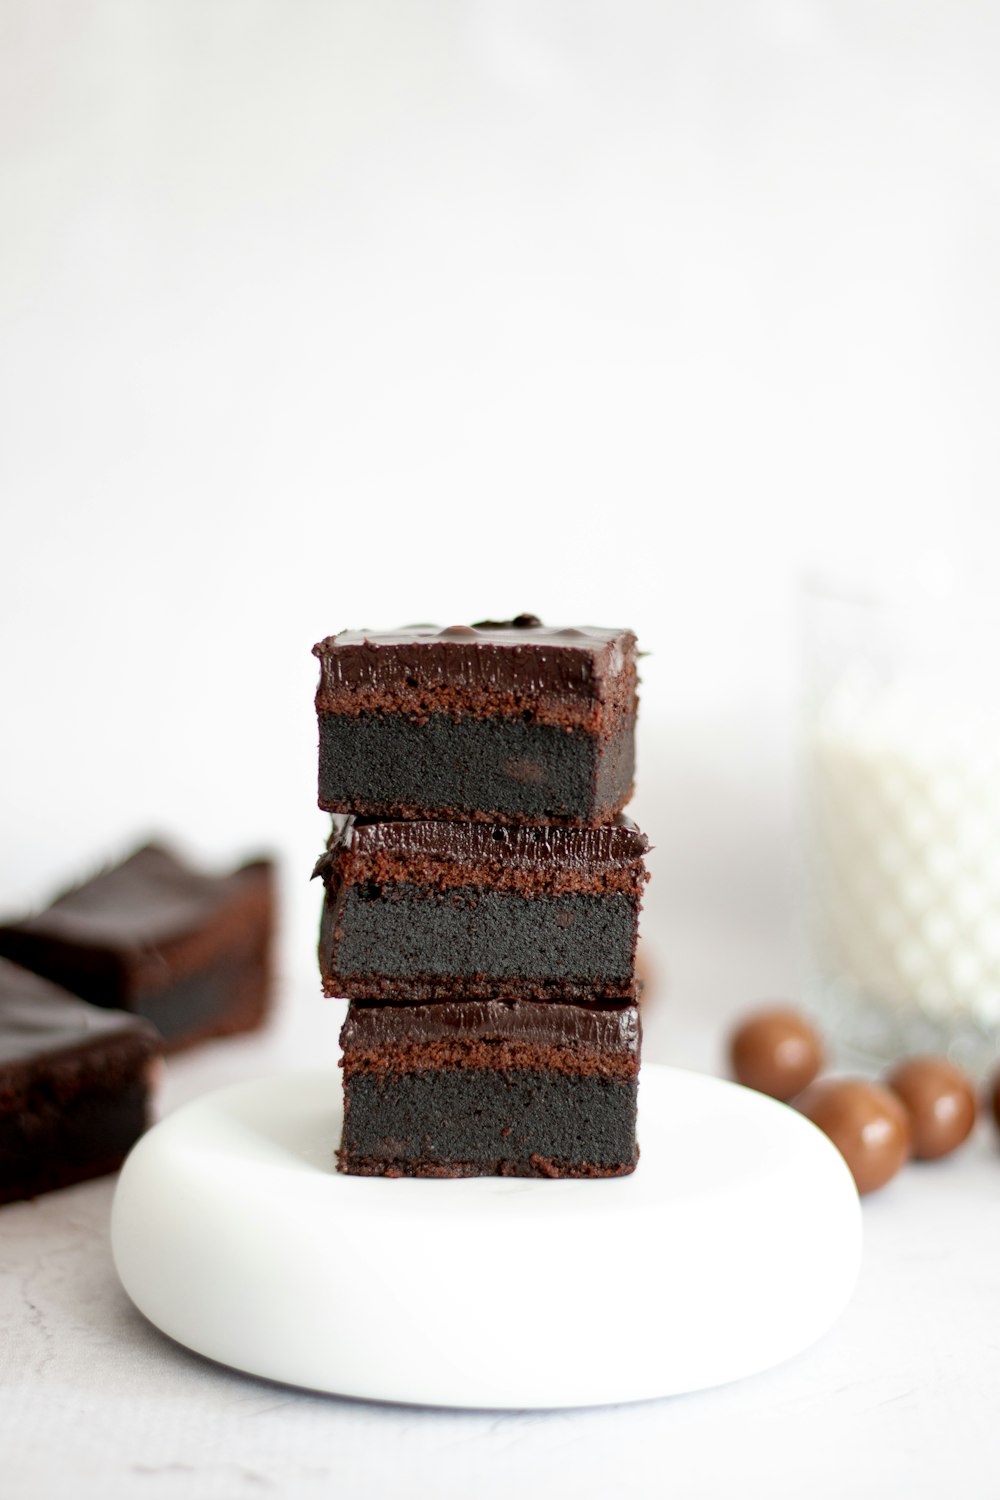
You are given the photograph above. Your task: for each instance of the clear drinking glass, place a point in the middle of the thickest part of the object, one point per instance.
(901, 779)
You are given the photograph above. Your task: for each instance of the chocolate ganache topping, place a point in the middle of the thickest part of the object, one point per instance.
(591, 1028)
(615, 844)
(520, 657)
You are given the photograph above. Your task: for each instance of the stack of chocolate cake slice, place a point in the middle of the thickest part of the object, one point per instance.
(482, 897)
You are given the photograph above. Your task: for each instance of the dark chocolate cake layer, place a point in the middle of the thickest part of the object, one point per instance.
(74, 1085)
(429, 910)
(460, 1123)
(489, 770)
(507, 722)
(398, 944)
(490, 1087)
(189, 951)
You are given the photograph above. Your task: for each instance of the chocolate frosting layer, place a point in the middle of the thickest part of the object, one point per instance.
(453, 665)
(149, 898)
(617, 845)
(37, 1018)
(591, 1028)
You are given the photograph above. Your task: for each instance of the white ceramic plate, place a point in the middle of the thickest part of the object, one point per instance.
(734, 1245)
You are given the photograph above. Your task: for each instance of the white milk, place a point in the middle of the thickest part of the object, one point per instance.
(902, 773)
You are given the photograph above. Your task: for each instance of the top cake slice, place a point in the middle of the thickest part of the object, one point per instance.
(504, 722)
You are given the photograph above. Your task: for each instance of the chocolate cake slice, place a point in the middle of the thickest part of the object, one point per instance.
(188, 951)
(432, 910)
(470, 1088)
(74, 1085)
(501, 722)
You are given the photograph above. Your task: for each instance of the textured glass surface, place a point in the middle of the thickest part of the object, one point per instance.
(901, 772)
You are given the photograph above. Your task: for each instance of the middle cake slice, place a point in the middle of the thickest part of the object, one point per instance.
(418, 911)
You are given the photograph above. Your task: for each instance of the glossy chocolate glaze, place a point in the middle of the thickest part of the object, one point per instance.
(147, 899)
(38, 1019)
(617, 845)
(504, 654)
(587, 1029)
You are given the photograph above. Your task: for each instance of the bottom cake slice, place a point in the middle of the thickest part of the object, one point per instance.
(471, 1088)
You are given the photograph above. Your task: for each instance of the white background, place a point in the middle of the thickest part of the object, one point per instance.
(327, 315)
(320, 315)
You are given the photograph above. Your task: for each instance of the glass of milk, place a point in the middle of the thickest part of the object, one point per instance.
(901, 775)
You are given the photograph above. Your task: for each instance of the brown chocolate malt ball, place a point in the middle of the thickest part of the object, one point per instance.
(940, 1101)
(866, 1122)
(775, 1051)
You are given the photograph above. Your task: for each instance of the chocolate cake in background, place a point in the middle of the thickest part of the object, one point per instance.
(75, 1082)
(190, 952)
(482, 892)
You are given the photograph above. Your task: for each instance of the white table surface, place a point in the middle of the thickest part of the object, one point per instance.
(902, 1394)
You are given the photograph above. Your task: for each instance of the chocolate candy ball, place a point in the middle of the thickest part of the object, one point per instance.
(776, 1052)
(940, 1102)
(866, 1122)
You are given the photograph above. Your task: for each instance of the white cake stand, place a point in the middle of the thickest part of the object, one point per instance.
(734, 1245)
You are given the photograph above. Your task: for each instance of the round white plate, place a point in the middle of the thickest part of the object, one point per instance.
(734, 1245)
